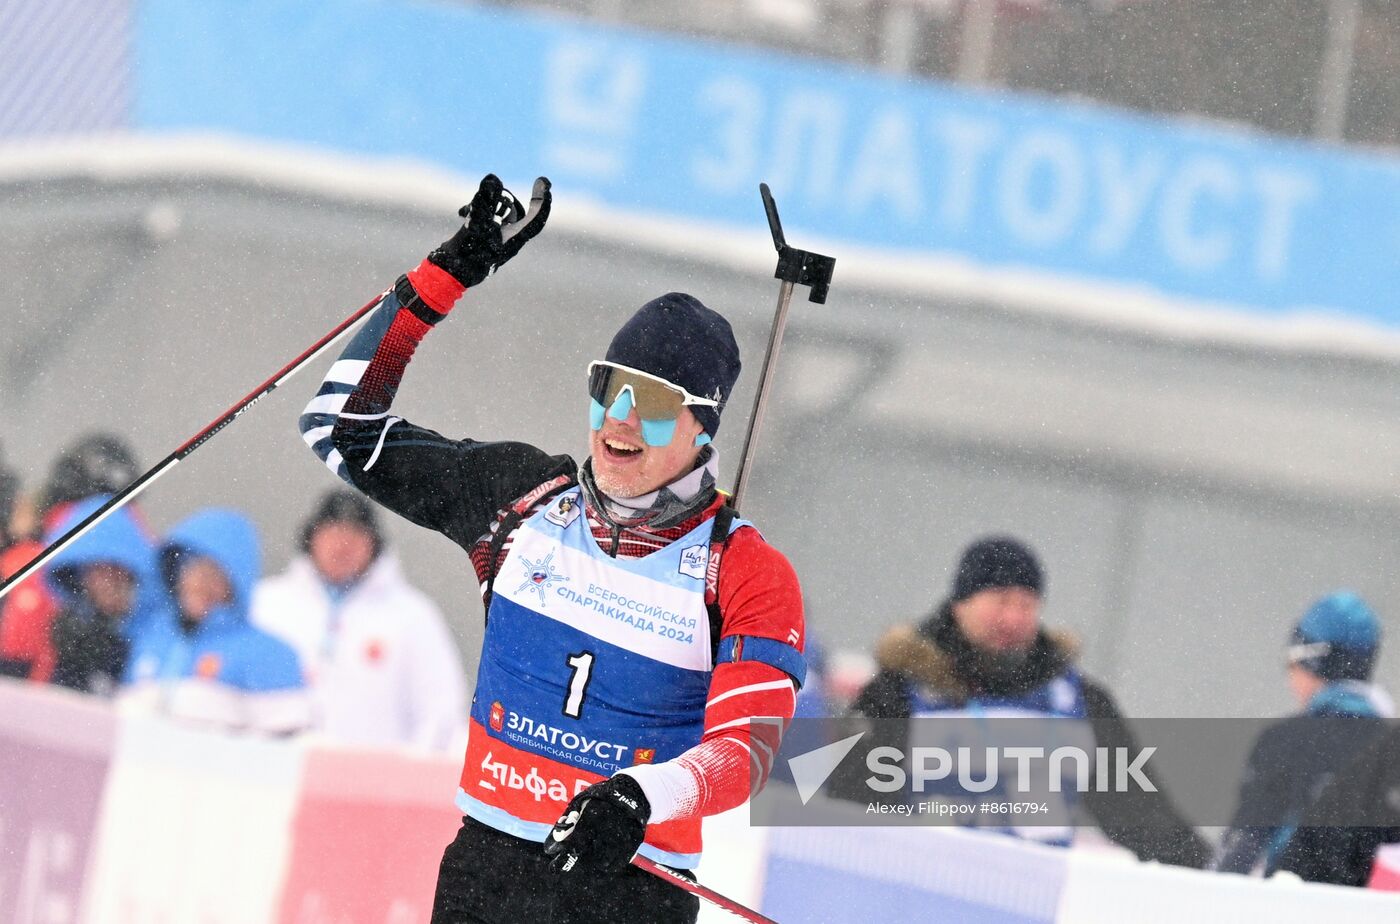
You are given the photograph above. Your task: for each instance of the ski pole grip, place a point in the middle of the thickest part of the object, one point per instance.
(775, 224)
(800, 267)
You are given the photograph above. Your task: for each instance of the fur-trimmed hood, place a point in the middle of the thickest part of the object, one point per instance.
(936, 655)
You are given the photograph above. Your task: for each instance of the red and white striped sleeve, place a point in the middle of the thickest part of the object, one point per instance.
(760, 666)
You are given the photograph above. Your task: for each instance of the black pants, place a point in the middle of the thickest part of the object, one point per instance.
(489, 877)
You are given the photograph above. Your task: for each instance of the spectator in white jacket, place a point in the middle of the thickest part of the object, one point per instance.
(383, 667)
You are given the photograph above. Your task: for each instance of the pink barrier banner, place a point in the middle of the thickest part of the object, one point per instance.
(195, 826)
(1385, 875)
(367, 838)
(55, 750)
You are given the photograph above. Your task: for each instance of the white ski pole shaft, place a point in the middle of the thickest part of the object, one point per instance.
(128, 493)
(760, 400)
(795, 268)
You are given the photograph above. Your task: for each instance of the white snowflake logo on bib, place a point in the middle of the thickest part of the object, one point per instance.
(539, 576)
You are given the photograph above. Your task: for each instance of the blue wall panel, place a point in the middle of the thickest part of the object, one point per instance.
(689, 129)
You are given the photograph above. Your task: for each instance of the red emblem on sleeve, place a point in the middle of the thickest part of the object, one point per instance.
(643, 756)
(498, 716)
(208, 666)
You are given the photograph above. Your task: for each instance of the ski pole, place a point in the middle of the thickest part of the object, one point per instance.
(795, 267)
(695, 888)
(129, 493)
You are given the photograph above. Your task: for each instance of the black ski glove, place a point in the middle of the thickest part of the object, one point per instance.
(601, 829)
(495, 229)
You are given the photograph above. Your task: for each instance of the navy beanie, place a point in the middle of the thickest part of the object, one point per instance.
(996, 561)
(678, 339)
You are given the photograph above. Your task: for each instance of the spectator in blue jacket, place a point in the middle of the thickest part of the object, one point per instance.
(209, 665)
(107, 589)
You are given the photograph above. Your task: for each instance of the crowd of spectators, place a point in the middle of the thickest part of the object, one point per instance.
(185, 625)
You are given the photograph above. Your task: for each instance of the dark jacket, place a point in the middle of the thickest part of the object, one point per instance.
(1325, 848)
(90, 650)
(1290, 764)
(937, 655)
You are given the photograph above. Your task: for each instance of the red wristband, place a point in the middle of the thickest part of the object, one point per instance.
(435, 286)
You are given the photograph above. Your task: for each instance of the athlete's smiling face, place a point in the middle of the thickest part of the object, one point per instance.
(625, 466)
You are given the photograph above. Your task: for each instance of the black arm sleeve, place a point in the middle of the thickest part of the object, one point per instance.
(453, 486)
(1243, 844)
(1144, 822)
(886, 696)
(1369, 788)
(884, 700)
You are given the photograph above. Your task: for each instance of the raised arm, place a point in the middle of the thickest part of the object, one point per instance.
(453, 486)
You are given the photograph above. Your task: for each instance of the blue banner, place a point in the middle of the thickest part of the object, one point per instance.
(685, 128)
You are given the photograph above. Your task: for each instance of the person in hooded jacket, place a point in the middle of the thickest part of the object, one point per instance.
(984, 651)
(1331, 658)
(95, 464)
(209, 665)
(104, 585)
(382, 665)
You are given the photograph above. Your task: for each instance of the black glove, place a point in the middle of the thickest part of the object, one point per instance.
(601, 829)
(495, 229)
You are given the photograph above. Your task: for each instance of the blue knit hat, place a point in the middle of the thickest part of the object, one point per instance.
(678, 339)
(1337, 638)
